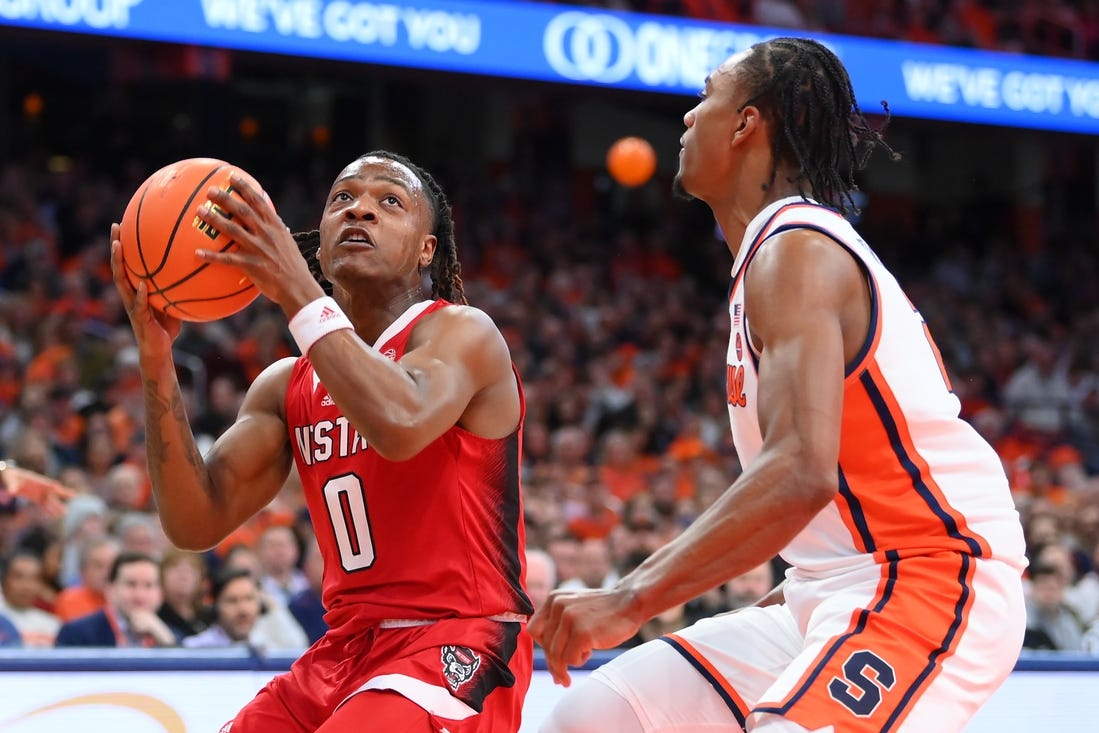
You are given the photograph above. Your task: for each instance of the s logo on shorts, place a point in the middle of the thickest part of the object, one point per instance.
(459, 665)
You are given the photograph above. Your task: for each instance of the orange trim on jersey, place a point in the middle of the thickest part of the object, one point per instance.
(866, 679)
(720, 684)
(884, 514)
(764, 233)
(938, 357)
(872, 339)
(961, 526)
(870, 346)
(931, 342)
(888, 497)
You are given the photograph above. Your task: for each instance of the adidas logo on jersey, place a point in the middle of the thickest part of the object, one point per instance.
(327, 401)
(390, 354)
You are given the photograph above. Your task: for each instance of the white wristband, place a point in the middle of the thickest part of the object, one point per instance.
(316, 320)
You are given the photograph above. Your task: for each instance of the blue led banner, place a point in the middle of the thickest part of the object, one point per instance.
(559, 43)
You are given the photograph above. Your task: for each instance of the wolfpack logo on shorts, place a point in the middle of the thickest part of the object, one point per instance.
(459, 664)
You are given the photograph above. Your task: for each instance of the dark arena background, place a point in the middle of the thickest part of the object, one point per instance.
(613, 299)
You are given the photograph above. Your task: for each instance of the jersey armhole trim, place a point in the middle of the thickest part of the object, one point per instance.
(873, 330)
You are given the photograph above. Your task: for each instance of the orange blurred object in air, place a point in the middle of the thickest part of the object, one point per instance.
(631, 161)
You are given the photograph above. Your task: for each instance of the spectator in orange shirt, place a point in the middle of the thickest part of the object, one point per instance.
(1041, 483)
(75, 301)
(621, 469)
(264, 344)
(46, 366)
(598, 513)
(96, 558)
(690, 443)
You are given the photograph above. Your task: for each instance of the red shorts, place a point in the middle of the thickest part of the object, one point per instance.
(457, 675)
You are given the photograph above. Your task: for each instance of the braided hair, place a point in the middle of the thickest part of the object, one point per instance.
(803, 89)
(309, 244)
(446, 270)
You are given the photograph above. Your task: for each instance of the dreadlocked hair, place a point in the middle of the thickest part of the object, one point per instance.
(804, 90)
(309, 244)
(446, 271)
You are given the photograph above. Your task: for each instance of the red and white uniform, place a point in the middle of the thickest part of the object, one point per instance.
(423, 566)
(437, 536)
(903, 609)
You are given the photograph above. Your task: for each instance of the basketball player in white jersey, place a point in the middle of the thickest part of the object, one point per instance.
(903, 608)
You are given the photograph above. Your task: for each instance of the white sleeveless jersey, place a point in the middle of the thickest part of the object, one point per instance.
(914, 478)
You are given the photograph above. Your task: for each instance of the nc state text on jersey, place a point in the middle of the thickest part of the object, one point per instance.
(327, 439)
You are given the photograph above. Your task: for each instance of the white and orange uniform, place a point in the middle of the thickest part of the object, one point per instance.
(903, 607)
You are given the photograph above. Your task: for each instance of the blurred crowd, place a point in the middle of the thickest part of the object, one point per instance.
(619, 331)
(1066, 28)
(613, 302)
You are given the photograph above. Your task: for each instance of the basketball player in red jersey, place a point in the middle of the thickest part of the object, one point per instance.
(903, 608)
(403, 419)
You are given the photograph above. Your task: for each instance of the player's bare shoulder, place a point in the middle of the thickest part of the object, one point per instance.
(466, 330)
(469, 340)
(807, 264)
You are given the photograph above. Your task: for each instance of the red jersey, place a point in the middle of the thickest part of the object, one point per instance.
(437, 536)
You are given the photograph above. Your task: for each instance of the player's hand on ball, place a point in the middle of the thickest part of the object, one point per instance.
(571, 623)
(154, 331)
(266, 250)
(160, 235)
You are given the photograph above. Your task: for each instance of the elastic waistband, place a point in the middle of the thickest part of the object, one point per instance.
(404, 623)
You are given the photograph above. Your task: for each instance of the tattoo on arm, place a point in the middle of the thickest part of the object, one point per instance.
(157, 406)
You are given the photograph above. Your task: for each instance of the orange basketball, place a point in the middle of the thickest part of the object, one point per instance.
(160, 233)
(631, 161)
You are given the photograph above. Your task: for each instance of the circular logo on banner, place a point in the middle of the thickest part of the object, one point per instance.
(589, 47)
